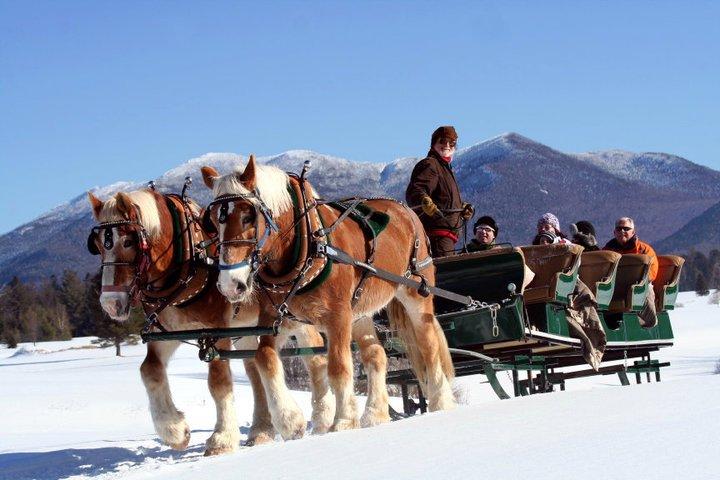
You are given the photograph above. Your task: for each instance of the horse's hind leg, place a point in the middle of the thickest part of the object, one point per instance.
(323, 403)
(287, 418)
(375, 362)
(169, 423)
(427, 347)
(226, 436)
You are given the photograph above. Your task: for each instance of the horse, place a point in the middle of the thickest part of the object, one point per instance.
(146, 242)
(261, 232)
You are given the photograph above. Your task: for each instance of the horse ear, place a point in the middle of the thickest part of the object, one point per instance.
(125, 205)
(96, 204)
(247, 178)
(209, 175)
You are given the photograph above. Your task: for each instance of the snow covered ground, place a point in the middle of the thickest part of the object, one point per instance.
(71, 411)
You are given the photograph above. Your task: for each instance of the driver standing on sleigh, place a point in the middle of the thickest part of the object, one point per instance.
(434, 190)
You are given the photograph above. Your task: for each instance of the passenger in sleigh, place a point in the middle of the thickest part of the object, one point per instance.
(626, 242)
(545, 238)
(582, 316)
(583, 234)
(549, 223)
(486, 231)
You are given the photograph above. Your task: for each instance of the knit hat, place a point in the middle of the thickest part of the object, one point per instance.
(486, 220)
(443, 132)
(551, 220)
(549, 236)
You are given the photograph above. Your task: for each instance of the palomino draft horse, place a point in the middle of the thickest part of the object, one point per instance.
(266, 250)
(147, 242)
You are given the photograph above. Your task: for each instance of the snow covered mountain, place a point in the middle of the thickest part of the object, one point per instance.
(511, 177)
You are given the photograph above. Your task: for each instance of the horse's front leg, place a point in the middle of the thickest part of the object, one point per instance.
(287, 418)
(323, 404)
(169, 422)
(226, 436)
(374, 360)
(340, 371)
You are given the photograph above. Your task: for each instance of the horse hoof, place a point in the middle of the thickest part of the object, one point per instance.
(183, 443)
(259, 438)
(373, 418)
(291, 425)
(442, 403)
(320, 429)
(210, 452)
(221, 442)
(344, 424)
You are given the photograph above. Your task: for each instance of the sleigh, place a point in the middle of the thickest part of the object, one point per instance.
(527, 332)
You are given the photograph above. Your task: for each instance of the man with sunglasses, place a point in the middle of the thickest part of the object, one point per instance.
(626, 241)
(434, 191)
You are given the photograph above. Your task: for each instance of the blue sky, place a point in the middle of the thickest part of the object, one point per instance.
(96, 92)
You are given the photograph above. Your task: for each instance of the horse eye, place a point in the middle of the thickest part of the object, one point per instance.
(248, 220)
(127, 243)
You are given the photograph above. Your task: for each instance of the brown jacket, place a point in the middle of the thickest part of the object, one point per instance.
(434, 177)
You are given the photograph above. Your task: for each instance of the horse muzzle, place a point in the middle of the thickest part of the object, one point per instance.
(116, 305)
(236, 291)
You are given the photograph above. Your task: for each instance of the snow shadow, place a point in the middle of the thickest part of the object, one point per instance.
(86, 462)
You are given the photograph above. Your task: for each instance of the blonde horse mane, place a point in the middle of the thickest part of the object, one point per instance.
(271, 183)
(146, 207)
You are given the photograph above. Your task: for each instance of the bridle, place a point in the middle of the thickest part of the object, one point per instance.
(253, 198)
(141, 262)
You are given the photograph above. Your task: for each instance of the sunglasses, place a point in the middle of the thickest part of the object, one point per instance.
(444, 141)
(623, 229)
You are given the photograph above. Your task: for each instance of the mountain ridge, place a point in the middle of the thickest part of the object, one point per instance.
(508, 176)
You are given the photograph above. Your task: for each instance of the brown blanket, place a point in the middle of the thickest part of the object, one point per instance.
(585, 324)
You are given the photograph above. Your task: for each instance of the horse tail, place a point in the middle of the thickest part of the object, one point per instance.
(401, 322)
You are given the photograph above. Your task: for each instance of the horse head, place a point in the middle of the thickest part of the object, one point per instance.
(242, 215)
(121, 240)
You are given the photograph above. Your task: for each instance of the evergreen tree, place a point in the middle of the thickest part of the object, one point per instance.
(72, 293)
(16, 295)
(701, 287)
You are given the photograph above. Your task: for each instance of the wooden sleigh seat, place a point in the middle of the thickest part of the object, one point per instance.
(667, 281)
(631, 283)
(556, 270)
(598, 270)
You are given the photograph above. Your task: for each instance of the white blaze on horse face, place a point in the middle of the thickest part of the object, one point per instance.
(233, 284)
(115, 304)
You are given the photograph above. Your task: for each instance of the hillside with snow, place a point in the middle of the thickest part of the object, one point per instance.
(69, 410)
(510, 177)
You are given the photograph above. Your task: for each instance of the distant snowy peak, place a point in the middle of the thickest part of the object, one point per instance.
(658, 169)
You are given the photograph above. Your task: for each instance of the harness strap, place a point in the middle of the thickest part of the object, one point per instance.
(342, 257)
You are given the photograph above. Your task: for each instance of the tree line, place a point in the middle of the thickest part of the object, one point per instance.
(59, 309)
(701, 272)
(66, 307)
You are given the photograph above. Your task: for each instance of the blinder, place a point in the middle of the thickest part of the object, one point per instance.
(91, 243)
(207, 223)
(258, 241)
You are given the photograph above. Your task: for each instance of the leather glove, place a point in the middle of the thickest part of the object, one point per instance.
(428, 206)
(467, 211)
